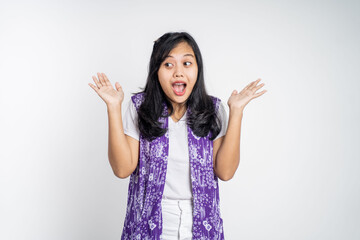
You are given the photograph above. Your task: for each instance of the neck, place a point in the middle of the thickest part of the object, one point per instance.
(179, 110)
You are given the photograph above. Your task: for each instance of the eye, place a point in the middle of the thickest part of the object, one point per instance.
(166, 64)
(189, 63)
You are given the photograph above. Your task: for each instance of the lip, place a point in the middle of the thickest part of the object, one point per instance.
(178, 82)
(178, 93)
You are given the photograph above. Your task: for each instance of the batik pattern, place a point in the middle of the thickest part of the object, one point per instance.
(143, 215)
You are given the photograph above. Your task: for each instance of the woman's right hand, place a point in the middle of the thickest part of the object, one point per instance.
(106, 91)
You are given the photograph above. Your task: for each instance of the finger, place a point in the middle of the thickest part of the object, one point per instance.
(94, 87)
(247, 86)
(254, 83)
(98, 84)
(234, 92)
(259, 93)
(258, 87)
(106, 80)
(101, 79)
(118, 86)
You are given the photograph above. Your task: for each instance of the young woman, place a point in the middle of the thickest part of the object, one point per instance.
(175, 142)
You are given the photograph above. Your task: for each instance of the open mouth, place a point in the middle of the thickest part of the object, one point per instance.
(179, 88)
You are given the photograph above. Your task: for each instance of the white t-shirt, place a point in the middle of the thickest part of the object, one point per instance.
(177, 182)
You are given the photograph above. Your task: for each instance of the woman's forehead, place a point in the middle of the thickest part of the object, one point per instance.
(182, 48)
(179, 55)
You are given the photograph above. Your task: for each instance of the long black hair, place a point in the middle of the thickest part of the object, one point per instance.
(203, 118)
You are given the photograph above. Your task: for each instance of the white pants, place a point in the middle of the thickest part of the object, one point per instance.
(177, 219)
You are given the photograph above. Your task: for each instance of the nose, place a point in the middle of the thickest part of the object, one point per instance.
(179, 75)
(178, 72)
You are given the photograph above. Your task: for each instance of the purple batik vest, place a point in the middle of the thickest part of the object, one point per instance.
(143, 219)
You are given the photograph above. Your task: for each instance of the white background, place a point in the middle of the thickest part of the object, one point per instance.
(298, 176)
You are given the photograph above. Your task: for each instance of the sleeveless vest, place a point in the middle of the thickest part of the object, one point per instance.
(143, 219)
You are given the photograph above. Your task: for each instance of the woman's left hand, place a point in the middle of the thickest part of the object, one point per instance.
(238, 101)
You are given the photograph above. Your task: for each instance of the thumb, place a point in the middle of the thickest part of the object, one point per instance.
(117, 86)
(234, 92)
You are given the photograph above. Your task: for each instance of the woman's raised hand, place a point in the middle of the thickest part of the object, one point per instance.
(106, 91)
(238, 101)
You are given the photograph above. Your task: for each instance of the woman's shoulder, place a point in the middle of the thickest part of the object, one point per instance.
(214, 98)
(216, 101)
(138, 98)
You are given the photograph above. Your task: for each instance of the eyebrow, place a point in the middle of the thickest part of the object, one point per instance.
(188, 54)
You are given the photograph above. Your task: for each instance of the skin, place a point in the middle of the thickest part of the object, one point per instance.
(179, 65)
(226, 149)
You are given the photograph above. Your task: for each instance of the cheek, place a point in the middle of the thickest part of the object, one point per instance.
(194, 75)
(163, 75)
(163, 80)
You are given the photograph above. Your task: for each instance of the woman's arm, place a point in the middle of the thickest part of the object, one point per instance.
(123, 151)
(227, 149)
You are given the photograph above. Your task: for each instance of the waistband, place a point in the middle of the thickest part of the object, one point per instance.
(163, 197)
(177, 202)
(177, 206)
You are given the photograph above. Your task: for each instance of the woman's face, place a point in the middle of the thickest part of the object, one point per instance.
(178, 73)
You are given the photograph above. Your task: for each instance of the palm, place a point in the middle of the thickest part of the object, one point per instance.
(241, 99)
(109, 94)
(106, 91)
